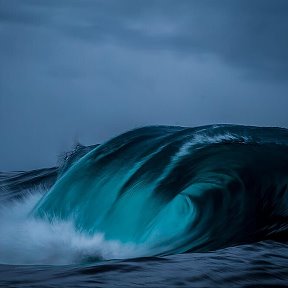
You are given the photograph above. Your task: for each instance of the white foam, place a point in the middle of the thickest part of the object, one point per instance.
(25, 240)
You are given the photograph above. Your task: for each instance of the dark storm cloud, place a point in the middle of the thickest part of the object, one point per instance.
(88, 70)
(249, 34)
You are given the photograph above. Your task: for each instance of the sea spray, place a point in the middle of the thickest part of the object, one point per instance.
(26, 240)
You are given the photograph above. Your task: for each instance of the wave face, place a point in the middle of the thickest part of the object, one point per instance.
(176, 189)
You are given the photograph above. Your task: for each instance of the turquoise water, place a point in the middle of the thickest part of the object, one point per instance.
(173, 189)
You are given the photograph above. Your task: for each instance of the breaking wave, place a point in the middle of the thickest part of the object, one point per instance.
(151, 191)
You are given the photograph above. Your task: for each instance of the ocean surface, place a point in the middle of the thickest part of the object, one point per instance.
(157, 206)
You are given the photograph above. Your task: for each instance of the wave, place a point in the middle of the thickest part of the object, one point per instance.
(165, 190)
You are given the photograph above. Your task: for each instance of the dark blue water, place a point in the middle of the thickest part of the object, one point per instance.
(262, 264)
(155, 207)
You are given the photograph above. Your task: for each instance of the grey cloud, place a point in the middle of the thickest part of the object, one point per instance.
(251, 35)
(89, 70)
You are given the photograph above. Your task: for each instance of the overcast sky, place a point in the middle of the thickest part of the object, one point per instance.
(88, 70)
